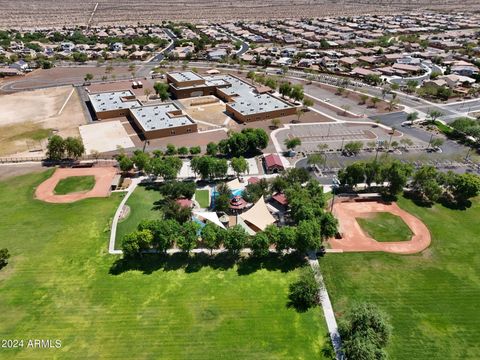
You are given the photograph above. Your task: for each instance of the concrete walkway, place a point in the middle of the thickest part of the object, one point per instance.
(327, 307)
(113, 230)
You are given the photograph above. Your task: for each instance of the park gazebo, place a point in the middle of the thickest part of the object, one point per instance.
(237, 204)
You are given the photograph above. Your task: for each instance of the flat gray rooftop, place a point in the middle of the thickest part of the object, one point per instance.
(247, 102)
(155, 117)
(107, 101)
(185, 76)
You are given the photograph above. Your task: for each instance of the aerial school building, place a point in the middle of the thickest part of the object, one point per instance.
(244, 102)
(155, 121)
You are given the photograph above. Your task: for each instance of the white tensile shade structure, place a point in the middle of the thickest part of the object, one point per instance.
(210, 216)
(258, 217)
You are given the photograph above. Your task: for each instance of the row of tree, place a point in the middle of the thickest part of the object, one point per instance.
(285, 88)
(427, 183)
(59, 148)
(168, 167)
(161, 235)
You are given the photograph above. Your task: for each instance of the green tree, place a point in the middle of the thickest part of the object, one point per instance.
(212, 149)
(425, 184)
(195, 150)
(397, 174)
(55, 147)
(188, 237)
(329, 225)
(308, 236)
(363, 99)
(316, 159)
(171, 150)
(412, 117)
(352, 175)
(296, 92)
(125, 163)
(260, 244)
(235, 239)
(353, 147)
(239, 165)
(303, 294)
(286, 239)
(161, 89)
(285, 89)
(141, 160)
(433, 115)
(276, 123)
(292, 143)
(365, 332)
(135, 243)
(182, 151)
(74, 147)
(211, 236)
(4, 256)
(88, 77)
(375, 100)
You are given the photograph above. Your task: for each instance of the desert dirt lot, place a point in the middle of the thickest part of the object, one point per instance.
(355, 239)
(22, 13)
(28, 118)
(41, 78)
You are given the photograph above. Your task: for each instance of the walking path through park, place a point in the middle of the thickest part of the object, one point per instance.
(113, 231)
(327, 307)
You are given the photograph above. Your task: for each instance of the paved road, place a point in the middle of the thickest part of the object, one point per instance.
(159, 57)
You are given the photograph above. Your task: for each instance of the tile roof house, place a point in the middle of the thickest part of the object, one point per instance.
(273, 163)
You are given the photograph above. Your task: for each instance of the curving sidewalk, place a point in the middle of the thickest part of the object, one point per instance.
(113, 231)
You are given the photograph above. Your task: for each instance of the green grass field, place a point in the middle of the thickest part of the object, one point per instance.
(75, 184)
(432, 297)
(384, 226)
(62, 284)
(142, 204)
(203, 198)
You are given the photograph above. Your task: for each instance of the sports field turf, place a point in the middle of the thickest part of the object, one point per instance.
(202, 197)
(432, 297)
(62, 284)
(74, 184)
(142, 206)
(384, 226)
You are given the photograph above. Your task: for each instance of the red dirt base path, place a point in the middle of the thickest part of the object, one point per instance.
(103, 181)
(354, 239)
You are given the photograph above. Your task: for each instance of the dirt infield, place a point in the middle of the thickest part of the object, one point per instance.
(103, 180)
(355, 239)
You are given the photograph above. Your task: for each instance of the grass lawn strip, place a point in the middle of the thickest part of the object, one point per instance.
(385, 227)
(74, 184)
(203, 198)
(142, 207)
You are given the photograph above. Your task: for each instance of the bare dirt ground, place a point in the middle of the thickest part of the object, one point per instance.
(25, 13)
(354, 239)
(60, 76)
(17, 169)
(103, 180)
(27, 118)
(206, 109)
